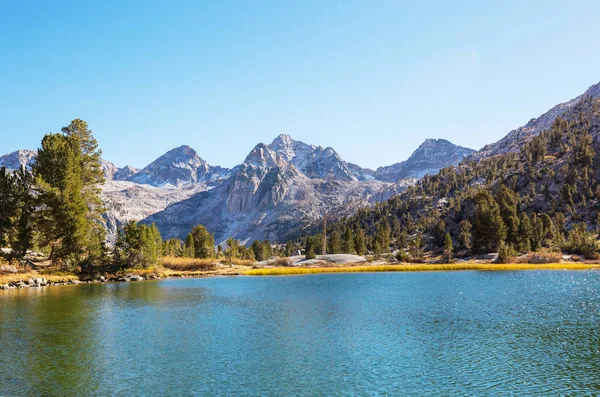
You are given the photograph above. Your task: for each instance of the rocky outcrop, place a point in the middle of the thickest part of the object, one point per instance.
(429, 158)
(179, 167)
(14, 160)
(125, 173)
(279, 190)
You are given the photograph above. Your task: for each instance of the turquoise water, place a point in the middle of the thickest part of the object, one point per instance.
(421, 334)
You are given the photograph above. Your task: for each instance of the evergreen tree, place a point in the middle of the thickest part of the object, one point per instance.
(23, 235)
(348, 243)
(335, 242)
(360, 242)
(537, 232)
(416, 247)
(8, 201)
(232, 249)
(525, 233)
(508, 201)
(465, 234)
(204, 242)
(289, 249)
(138, 246)
(189, 250)
(448, 248)
(172, 247)
(489, 228)
(312, 244)
(58, 177)
(581, 241)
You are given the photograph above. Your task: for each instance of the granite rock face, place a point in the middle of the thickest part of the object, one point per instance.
(278, 191)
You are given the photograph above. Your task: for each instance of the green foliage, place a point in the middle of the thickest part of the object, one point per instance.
(203, 242)
(189, 251)
(67, 174)
(489, 229)
(506, 252)
(138, 246)
(448, 248)
(232, 251)
(23, 231)
(262, 250)
(334, 242)
(289, 248)
(312, 246)
(59, 179)
(465, 234)
(173, 247)
(508, 202)
(525, 233)
(8, 203)
(348, 243)
(581, 241)
(360, 243)
(416, 247)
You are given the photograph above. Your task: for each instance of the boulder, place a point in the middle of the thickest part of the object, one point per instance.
(539, 259)
(135, 277)
(41, 282)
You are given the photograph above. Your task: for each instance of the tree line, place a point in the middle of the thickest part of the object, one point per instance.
(545, 197)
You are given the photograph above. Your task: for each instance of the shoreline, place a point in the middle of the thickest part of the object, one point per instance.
(47, 280)
(452, 267)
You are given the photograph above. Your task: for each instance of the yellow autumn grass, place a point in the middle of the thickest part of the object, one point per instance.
(52, 278)
(196, 264)
(282, 271)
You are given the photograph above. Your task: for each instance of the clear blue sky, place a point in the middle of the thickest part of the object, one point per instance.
(370, 78)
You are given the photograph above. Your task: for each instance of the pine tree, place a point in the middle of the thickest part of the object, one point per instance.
(23, 235)
(489, 228)
(232, 250)
(335, 242)
(289, 248)
(465, 234)
(58, 176)
(348, 243)
(360, 242)
(189, 251)
(448, 248)
(204, 242)
(525, 233)
(8, 201)
(508, 202)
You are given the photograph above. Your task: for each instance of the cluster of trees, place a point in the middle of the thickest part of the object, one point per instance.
(545, 197)
(56, 205)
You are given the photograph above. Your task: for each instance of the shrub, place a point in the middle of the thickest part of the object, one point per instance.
(506, 253)
(581, 241)
(402, 256)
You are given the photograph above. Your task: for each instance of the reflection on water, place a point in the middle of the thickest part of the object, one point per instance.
(459, 333)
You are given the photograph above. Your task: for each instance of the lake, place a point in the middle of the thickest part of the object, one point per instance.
(434, 333)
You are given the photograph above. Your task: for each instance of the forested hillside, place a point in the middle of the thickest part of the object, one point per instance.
(545, 196)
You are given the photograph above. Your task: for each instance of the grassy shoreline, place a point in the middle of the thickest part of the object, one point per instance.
(283, 271)
(160, 272)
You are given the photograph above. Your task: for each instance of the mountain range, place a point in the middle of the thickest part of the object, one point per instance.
(282, 188)
(279, 189)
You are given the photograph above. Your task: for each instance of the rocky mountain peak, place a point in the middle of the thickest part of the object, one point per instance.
(178, 167)
(263, 156)
(429, 158)
(14, 160)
